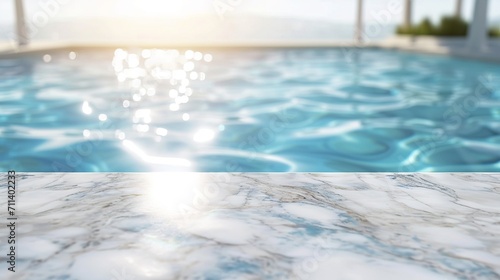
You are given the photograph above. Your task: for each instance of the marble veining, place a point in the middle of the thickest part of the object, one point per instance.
(256, 226)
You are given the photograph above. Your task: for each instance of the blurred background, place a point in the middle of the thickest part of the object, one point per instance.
(209, 21)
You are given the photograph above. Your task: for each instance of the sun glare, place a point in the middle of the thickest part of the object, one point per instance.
(171, 194)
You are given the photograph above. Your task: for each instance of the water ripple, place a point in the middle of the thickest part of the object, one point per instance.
(249, 110)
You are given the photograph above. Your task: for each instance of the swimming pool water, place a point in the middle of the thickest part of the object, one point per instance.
(236, 110)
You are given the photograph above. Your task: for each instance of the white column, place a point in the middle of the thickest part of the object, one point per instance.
(458, 8)
(407, 14)
(21, 28)
(359, 23)
(477, 35)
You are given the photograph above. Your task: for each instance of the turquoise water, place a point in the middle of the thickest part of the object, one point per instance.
(248, 110)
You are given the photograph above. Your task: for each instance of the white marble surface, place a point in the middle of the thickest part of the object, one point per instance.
(256, 226)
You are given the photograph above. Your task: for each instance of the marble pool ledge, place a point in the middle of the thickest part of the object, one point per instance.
(125, 226)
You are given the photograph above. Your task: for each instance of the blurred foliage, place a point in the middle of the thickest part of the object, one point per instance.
(450, 26)
(494, 32)
(426, 27)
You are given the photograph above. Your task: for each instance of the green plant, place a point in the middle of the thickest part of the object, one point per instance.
(425, 28)
(452, 26)
(401, 30)
(449, 26)
(494, 32)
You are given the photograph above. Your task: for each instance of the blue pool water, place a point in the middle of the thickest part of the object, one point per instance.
(248, 110)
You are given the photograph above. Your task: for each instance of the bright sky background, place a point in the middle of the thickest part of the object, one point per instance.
(331, 10)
